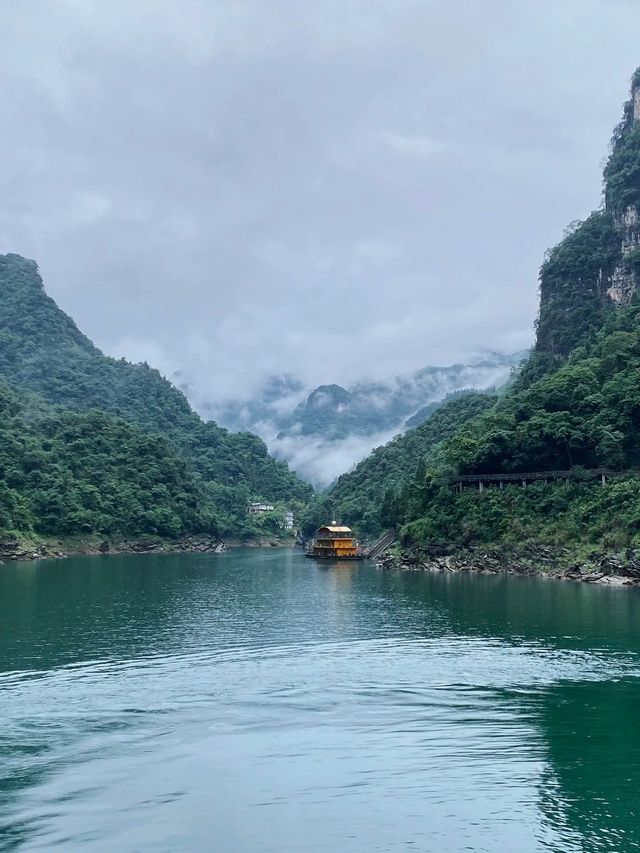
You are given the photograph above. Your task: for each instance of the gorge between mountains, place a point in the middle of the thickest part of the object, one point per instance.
(100, 452)
(97, 448)
(379, 591)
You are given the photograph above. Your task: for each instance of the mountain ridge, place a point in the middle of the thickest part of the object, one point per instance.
(43, 353)
(574, 404)
(324, 431)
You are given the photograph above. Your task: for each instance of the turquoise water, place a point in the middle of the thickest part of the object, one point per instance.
(255, 701)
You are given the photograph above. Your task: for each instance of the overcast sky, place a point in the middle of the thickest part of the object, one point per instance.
(335, 189)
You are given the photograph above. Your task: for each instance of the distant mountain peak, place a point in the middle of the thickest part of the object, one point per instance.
(327, 395)
(323, 431)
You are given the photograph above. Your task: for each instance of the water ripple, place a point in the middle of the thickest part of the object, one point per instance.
(271, 707)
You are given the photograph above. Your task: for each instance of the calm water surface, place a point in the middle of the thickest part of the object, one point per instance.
(257, 703)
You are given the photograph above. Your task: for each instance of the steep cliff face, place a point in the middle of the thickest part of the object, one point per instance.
(596, 267)
(574, 283)
(622, 197)
(574, 405)
(624, 279)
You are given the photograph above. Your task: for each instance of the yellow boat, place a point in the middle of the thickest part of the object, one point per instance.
(334, 542)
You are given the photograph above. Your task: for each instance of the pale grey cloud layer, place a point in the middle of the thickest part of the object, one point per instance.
(342, 189)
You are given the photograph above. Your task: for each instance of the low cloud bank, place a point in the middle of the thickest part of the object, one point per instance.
(321, 462)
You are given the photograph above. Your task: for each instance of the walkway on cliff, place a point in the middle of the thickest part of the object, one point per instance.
(461, 481)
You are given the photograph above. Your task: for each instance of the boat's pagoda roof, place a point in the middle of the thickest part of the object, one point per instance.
(333, 529)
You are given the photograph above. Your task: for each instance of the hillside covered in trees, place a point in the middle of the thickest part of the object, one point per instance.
(73, 409)
(365, 496)
(65, 472)
(575, 403)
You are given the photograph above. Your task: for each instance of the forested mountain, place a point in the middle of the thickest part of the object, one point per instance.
(311, 427)
(43, 353)
(360, 497)
(65, 472)
(575, 403)
(333, 412)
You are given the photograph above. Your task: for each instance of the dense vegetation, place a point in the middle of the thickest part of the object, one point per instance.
(43, 353)
(358, 497)
(584, 414)
(575, 405)
(64, 472)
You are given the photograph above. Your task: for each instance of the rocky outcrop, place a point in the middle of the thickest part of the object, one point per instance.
(201, 544)
(531, 560)
(12, 548)
(624, 280)
(596, 266)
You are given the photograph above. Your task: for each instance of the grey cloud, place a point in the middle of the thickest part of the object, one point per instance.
(340, 190)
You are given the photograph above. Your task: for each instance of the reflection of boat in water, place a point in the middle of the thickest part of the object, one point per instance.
(334, 542)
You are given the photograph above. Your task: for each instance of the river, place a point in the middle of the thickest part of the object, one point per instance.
(255, 702)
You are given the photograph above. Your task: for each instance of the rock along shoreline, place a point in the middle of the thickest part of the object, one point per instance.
(541, 561)
(14, 548)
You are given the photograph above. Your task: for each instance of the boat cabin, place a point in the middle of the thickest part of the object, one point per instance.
(334, 542)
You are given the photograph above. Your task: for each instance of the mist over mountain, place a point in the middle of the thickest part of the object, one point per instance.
(324, 431)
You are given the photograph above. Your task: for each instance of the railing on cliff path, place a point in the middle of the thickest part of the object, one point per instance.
(523, 478)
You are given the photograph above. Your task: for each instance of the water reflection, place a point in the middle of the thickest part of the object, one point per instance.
(591, 732)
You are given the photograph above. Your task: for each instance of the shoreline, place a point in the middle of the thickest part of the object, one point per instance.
(604, 568)
(14, 548)
(580, 564)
